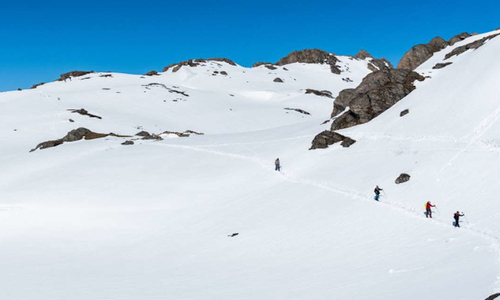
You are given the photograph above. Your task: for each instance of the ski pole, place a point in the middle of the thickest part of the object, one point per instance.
(467, 220)
(385, 194)
(437, 209)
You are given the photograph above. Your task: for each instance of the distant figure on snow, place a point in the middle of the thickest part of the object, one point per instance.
(457, 216)
(277, 164)
(428, 210)
(377, 192)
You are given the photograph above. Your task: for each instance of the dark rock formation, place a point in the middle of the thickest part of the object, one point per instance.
(327, 138)
(68, 75)
(83, 112)
(147, 136)
(377, 92)
(362, 54)
(494, 296)
(106, 75)
(196, 62)
(474, 45)
(311, 56)
(277, 79)
(223, 73)
(323, 93)
(404, 112)
(379, 64)
(420, 53)
(260, 63)
(441, 65)
(459, 37)
(126, 143)
(298, 110)
(37, 85)
(186, 133)
(74, 135)
(152, 73)
(402, 178)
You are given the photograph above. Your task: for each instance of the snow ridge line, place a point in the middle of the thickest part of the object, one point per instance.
(395, 206)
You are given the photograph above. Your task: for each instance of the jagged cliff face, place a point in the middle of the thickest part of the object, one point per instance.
(312, 56)
(420, 53)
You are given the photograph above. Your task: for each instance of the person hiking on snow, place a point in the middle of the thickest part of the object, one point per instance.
(277, 164)
(377, 192)
(428, 210)
(457, 216)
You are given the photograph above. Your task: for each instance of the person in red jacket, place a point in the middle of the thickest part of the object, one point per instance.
(428, 210)
(457, 216)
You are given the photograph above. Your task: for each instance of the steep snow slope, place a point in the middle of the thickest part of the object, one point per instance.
(98, 220)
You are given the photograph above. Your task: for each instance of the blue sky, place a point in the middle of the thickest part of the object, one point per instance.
(41, 39)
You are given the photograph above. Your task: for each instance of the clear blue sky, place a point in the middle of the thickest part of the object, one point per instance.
(41, 39)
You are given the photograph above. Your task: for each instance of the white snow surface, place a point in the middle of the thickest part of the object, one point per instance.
(98, 220)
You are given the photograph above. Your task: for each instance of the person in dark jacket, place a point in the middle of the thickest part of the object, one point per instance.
(277, 164)
(428, 210)
(377, 192)
(457, 216)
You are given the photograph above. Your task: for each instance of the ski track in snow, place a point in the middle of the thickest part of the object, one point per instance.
(411, 212)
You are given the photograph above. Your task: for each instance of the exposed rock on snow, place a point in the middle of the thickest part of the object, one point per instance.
(298, 110)
(195, 62)
(459, 37)
(311, 56)
(147, 136)
(83, 112)
(379, 64)
(441, 65)
(420, 53)
(37, 85)
(474, 45)
(277, 79)
(377, 92)
(327, 138)
(152, 73)
(129, 142)
(323, 93)
(404, 112)
(362, 54)
(402, 178)
(73, 74)
(494, 296)
(74, 135)
(186, 133)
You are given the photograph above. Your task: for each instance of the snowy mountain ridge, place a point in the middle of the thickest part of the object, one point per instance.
(155, 218)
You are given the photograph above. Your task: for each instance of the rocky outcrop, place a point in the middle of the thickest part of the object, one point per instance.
(420, 53)
(377, 92)
(327, 138)
(196, 62)
(37, 85)
(379, 64)
(494, 296)
(459, 37)
(75, 135)
(83, 112)
(441, 65)
(404, 112)
(474, 45)
(298, 110)
(148, 136)
(402, 178)
(152, 73)
(128, 143)
(186, 133)
(68, 75)
(311, 56)
(323, 93)
(362, 54)
(277, 79)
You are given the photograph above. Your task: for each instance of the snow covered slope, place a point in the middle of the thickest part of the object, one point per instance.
(98, 220)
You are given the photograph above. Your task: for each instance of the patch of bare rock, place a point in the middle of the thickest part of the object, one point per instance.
(311, 56)
(83, 112)
(474, 45)
(195, 62)
(298, 110)
(420, 53)
(327, 138)
(75, 135)
(323, 93)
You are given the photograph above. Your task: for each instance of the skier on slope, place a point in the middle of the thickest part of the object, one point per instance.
(377, 192)
(277, 164)
(428, 210)
(457, 216)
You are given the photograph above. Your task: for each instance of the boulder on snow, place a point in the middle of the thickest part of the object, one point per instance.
(473, 45)
(147, 136)
(327, 138)
(195, 62)
(311, 56)
(323, 93)
(402, 178)
(441, 65)
(494, 296)
(377, 92)
(68, 75)
(83, 112)
(420, 53)
(404, 112)
(459, 37)
(129, 142)
(37, 85)
(152, 73)
(277, 79)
